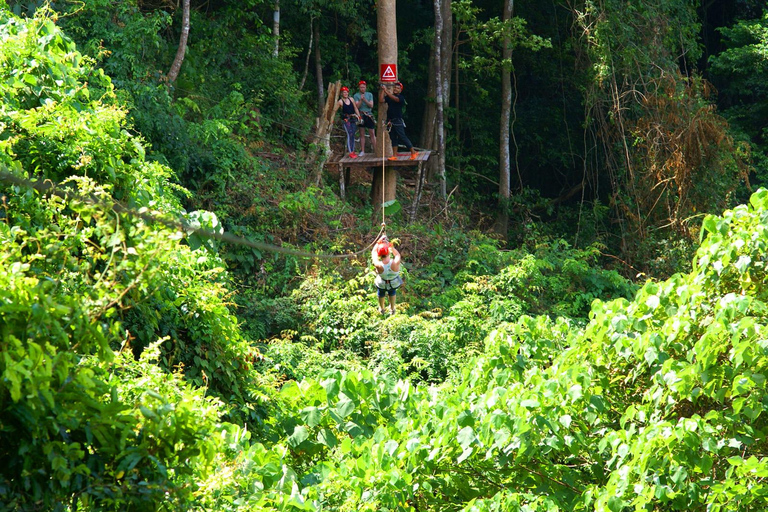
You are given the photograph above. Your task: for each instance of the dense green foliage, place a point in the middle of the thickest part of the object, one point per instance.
(147, 367)
(85, 286)
(740, 73)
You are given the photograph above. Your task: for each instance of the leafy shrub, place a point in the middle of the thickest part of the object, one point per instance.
(86, 286)
(657, 402)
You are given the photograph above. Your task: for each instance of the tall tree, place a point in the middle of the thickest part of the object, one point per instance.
(319, 71)
(276, 28)
(505, 162)
(429, 120)
(440, 87)
(384, 181)
(176, 66)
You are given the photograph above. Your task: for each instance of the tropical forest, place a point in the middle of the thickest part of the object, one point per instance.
(383, 256)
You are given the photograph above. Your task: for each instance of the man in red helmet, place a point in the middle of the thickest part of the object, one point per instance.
(364, 102)
(386, 260)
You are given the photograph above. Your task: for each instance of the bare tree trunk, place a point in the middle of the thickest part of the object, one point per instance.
(439, 85)
(429, 121)
(176, 66)
(309, 52)
(276, 28)
(430, 108)
(319, 71)
(502, 219)
(457, 118)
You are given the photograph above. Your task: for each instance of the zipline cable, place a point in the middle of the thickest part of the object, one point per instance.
(383, 181)
(48, 187)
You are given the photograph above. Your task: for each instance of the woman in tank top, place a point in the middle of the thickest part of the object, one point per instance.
(386, 260)
(349, 116)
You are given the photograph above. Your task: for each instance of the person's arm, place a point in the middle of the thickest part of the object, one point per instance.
(376, 261)
(356, 110)
(369, 103)
(382, 91)
(396, 261)
(391, 96)
(358, 101)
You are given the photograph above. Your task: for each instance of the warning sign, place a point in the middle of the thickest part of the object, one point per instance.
(389, 72)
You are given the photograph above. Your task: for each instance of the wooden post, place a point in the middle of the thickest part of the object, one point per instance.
(323, 132)
(342, 184)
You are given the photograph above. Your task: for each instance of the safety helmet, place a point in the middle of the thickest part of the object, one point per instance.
(382, 250)
(361, 82)
(402, 88)
(344, 88)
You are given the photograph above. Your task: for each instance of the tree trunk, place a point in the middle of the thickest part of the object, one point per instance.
(309, 52)
(276, 28)
(429, 121)
(457, 117)
(386, 21)
(502, 219)
(430, 109)
(319, 71)
(439, 96)
(176, 66)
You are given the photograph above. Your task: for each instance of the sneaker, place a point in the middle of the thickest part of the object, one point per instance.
(391, 312)
(382, 310)
(362, 153)
(393, 158)
(353, 155)
(414, 155)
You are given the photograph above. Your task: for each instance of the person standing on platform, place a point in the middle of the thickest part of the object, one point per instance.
(395, 102)
(349, 117)
(364, 102)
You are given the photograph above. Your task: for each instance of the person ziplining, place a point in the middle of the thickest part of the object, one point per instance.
(386, 260)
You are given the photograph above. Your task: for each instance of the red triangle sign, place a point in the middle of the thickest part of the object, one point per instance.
(388, 72)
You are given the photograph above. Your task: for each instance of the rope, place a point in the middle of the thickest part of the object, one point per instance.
(383, 182)
(173, 223)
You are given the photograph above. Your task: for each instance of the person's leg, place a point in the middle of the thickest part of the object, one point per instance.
(402, 139)
(382, 299)
(407, 142)
(370, 124)
(362, 140)
(350, 128)
(392, 300)
(394, 135)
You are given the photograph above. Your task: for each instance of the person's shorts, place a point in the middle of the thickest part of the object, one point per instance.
(383, 292)
(368, 122)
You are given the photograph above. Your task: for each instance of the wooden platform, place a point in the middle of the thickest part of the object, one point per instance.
(369, 160)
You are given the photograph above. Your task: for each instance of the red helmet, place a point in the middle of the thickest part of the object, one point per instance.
(344, 88)
(382, 250)
(401, 85)
(361, 82)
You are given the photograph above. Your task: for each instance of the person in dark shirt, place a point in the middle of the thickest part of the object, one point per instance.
(395, 102)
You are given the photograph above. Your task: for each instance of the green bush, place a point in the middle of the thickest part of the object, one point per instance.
(113, 330)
